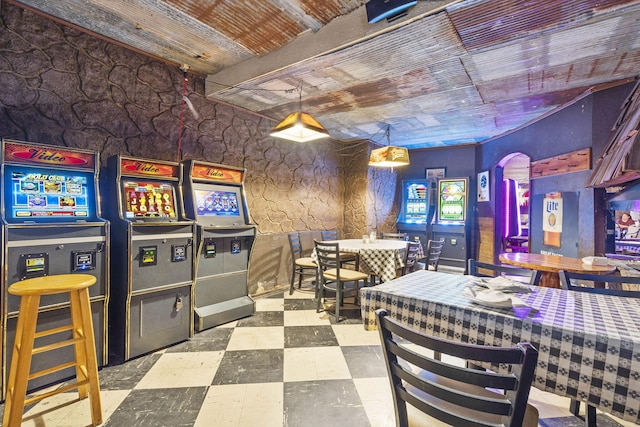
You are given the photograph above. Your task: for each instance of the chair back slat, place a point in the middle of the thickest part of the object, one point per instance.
(592, 283)
(295, 245)
(454, 393)
(474, 267)
(434, 250)
(329, 235)
(394, 236)
(328, 256)
(411, 257)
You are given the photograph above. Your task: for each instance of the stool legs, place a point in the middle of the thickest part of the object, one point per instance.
(86, 359)
(21, 361)
(85, 353)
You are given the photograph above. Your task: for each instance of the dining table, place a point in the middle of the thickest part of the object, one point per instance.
(588, 344)
(550, 265)
(382, 257)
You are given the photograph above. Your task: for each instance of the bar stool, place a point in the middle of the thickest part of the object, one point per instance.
(30, 291)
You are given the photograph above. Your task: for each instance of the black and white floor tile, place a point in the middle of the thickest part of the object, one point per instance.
(285, 366)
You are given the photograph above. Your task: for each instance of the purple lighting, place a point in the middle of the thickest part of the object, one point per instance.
(511, 216)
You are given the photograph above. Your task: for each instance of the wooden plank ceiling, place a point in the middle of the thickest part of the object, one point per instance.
(447, 73)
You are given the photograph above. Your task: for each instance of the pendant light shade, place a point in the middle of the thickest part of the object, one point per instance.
(389, 156)
(299, 127)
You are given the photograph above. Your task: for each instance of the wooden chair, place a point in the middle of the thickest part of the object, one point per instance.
(345, 257)
(411, 257)
(78, 333)
(394, 236)
(531, 277)
(456, 395)
(592, 283)
(302, 266)
(432, 256)
(332, 277)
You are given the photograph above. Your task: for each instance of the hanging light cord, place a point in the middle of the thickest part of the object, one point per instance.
(184, 95)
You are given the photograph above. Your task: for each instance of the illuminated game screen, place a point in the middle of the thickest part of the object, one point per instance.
(217, 203)
(452, 201)
(48, 195)
(147, 199)
(416, 199)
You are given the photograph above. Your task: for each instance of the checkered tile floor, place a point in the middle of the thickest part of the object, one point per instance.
(285, 366)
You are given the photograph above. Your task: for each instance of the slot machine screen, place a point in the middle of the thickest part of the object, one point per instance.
(416, 202)
(218, 205)
(149, 200)
(44, 195)
(452, 200)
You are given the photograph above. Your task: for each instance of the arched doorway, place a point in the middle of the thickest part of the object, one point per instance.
(512, 203)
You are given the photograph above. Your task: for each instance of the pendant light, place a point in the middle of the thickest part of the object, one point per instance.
(389, 156)
(299, 126)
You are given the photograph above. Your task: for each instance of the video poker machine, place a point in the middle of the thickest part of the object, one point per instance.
(51, 225)
(417, 210)
(214, 197)
(452, 223)
(152, 260)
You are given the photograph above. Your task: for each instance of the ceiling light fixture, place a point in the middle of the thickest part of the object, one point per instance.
(299, 126)
(389, 156)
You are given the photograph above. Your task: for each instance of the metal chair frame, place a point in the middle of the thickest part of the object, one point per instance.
(301, 266)
(497, 270)
(457, 395)
(394, 236)
(334, 278)
(347, 258)
(411, 257)
(432, 256)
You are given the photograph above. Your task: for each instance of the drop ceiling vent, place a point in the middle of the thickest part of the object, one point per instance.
(377, 10)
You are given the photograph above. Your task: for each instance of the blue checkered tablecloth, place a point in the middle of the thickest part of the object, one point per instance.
(382, 257)
(588, 344)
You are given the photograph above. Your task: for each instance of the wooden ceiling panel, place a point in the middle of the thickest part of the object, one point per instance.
(485, 24)
(449, 72)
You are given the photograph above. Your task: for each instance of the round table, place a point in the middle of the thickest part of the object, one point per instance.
(549, 265)
(382, 257)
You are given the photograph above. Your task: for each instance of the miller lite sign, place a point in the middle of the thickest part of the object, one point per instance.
(552, 219)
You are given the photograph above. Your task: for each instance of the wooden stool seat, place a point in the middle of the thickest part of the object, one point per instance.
(81, 328)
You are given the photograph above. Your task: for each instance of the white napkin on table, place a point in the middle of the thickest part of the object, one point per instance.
(487, 297)
(505, 284)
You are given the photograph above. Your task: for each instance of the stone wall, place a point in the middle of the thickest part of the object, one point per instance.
(61, 87)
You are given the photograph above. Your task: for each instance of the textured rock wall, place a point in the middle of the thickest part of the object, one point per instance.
(61, 87)
(370, 194)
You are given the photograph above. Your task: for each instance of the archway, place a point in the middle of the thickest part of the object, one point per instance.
(512, 203)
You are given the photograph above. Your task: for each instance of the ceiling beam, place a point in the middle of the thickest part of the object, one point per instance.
(338, 34)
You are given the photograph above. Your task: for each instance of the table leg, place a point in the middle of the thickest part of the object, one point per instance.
(549, 279)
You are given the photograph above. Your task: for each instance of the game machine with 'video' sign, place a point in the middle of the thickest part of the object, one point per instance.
(416, 213)
(152, 259)
(452, 222)
(214, 197)
(51, 225)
